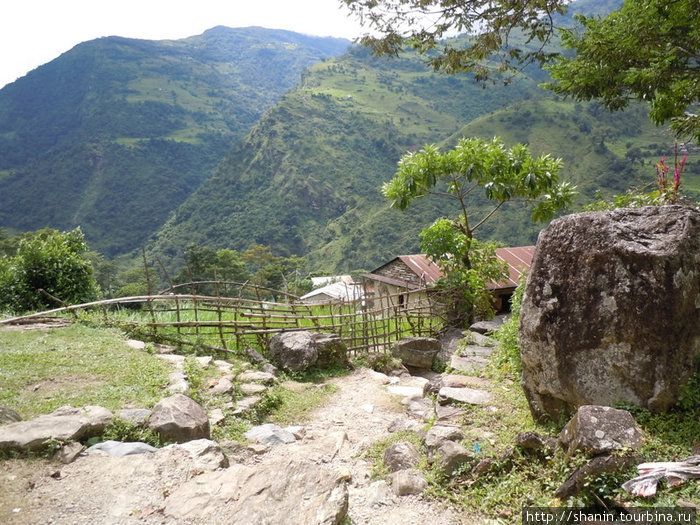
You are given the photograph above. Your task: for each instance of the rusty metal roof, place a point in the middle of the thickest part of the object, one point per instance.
(519, 260)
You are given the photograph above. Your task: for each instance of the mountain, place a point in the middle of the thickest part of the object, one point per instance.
(307, 178)
(114, 134)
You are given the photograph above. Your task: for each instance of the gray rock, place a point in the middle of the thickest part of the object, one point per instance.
(433, 386)
(63, 425)
(451, 455)
(438, 434)
(222, 386)
(135, 416)
(204, 360)
(418, 352)
(468, 364)
(119, 449)
(252, 376)
(379, 493)
(486, 327)
(299, 350)
(135, 344)
(470, 396)
(448, 415)
(580, 477)
(400, 456)
(206, 454)
(610, 311)
(289, 490)
(421, 409)
(7, 415)
(533, 443)
(69, 452)
(177, 382)
(216, 417)
(409, 481)
(250, 389)
(270, 434)
(179, 418)
(246, 404)
(597, 430)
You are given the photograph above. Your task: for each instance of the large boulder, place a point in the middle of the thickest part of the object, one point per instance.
(418, 352)
(597, 430)
(179, 418)
(611, 311)
(63, 425)
(299, 350)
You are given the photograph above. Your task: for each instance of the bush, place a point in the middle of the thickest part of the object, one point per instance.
(47, 260)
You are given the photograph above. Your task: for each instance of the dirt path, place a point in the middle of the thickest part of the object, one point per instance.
(95, 490)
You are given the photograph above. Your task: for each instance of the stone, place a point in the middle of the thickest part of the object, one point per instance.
(418, 352)
(254, 356)
(8, 415)
(400, 456)
(298, 350)
(204, 360)
(407, 482)
(174, 359)
(470, 396)
(135, 344)
(438, 434)
(433, 386)
(611, 310)
(216, 417)
(222, 365)
(69, 452)
(379, 493)
(206, 454)
(288, 490)
(486, 327)
(179, 418)
(120, 449)
(405, 391)
(135, 416)
(598, 430)
(461, 381)
(270, 434)
(64, 424)
(250, 389)
(451, 455)
(534, 443)
(421, 409)
(448, 415)
(468, 364)
(246, 404)
(177, 382)
(332, 351)
(252, 376)
(222, 386)
(580, 477)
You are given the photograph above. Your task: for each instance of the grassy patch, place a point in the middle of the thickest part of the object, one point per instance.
(41, 370)
(295, 406)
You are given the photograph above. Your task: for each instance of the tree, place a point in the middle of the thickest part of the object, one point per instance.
(647, 51)
(504, 175)
(422, 24)
(47, 261)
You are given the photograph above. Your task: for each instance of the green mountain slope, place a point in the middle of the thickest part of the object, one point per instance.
(116, 133)
(307, 179)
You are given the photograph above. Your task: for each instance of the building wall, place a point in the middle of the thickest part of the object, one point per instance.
(398, 270)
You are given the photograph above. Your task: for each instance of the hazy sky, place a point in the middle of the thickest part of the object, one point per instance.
(33, 32)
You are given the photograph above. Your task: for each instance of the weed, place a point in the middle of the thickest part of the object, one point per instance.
(122, 430)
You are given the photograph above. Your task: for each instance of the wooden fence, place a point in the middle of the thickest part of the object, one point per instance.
(232, 323)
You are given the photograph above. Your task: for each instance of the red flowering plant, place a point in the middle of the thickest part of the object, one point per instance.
(669, 190)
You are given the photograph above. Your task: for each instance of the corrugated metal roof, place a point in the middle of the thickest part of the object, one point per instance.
(519, 260)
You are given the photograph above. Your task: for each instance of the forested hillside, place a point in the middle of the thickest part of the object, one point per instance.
(116, 133)
(307, 179)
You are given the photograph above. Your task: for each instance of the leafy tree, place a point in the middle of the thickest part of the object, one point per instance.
(646, 51)
(52, 261)
(504, 175)
(423, 24)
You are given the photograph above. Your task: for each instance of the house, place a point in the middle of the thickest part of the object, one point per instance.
(337, 289)
(406, 277)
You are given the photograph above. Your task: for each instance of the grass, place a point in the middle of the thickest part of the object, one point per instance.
(76, 365)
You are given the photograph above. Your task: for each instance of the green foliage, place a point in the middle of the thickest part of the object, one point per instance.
(497, 26)
(121, 430)
(138, 127)
(47, 260)
(645, 51)
(507, 362)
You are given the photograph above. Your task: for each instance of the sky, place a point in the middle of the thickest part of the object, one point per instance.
(34, 32)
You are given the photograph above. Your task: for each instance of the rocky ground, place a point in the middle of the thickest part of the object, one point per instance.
(177, 486)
